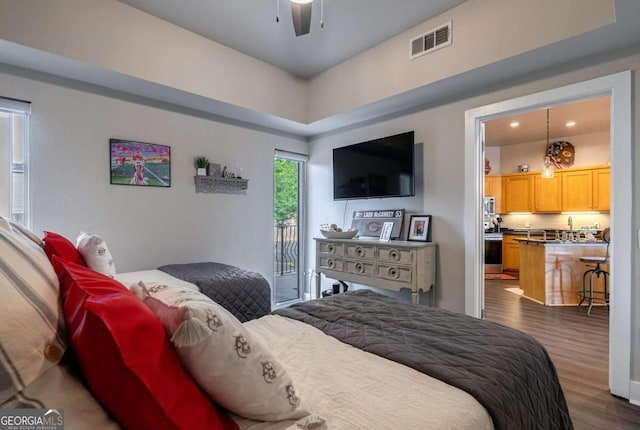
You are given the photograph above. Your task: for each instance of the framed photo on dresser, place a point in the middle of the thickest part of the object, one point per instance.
(419, 228)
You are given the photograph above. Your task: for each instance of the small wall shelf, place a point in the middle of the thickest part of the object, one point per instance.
(212, 184)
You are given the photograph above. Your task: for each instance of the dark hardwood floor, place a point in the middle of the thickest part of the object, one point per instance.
(579, 347)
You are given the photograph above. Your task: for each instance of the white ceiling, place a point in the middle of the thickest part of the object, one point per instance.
(590, 116)
(249, 26)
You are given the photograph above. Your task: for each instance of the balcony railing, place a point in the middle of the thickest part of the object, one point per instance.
(286, 248)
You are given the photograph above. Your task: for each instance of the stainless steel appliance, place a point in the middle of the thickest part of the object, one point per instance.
(492, 252)
(489, 206)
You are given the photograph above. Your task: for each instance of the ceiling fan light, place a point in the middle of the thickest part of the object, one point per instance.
(301, 1)
(301, 15)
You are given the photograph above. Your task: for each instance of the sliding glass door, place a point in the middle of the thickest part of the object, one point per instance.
(288, 223)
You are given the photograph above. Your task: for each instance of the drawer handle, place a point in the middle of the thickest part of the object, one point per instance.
(360, 267)
(359, 251)
(393, 272)
(395, 254)
(331, 263)
(331, 248)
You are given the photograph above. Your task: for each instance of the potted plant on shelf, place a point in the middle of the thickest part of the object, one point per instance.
(201, 163)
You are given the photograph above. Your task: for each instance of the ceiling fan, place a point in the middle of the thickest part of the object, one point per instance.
(301, 14)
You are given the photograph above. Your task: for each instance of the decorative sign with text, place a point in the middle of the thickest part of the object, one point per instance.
(370, 222)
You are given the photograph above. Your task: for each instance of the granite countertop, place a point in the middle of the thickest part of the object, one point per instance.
(535, 231)
(561, 242)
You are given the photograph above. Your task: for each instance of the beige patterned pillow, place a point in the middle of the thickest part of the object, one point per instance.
(32, 337)
(229, 365)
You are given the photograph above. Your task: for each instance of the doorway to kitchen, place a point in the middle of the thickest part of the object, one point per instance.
(288, 225)
(618, 87)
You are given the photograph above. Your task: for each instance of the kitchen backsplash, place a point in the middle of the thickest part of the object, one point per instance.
(555, 221)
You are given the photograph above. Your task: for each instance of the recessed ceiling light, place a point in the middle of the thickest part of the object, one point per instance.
(514, 124)
(571, 124)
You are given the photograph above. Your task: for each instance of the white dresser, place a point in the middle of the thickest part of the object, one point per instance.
(394, 265)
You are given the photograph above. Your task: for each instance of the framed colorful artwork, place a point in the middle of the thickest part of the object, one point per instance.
(139, 163)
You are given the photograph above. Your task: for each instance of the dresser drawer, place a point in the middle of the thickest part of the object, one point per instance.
(394, 273)
(331, 263)
(367, 252)
(336, 249)
(359, 268)
(395, 255)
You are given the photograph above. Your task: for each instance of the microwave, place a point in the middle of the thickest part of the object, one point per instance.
(489, 206)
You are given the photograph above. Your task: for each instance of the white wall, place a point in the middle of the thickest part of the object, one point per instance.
(592, 149)
(119, 38)
(386, 70)
(146, 227)
(492, 153)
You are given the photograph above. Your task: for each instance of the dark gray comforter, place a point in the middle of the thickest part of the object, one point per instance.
(245, 294)
(507, 371)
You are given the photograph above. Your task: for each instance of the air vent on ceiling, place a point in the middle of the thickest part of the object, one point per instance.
(433, 39)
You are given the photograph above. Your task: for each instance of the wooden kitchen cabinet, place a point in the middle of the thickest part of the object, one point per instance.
(517, 193)
(570, 190)
(602, 189)
(547, 194)
(493, 188)
(577, 190)
(510, 252)
(586, 190)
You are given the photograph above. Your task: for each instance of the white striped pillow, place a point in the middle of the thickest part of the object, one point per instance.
(32, 337)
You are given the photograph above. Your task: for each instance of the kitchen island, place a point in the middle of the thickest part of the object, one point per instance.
(551, 271)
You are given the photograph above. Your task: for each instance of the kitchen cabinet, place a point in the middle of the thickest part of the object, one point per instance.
(602, 189)
(586, 189)
(510, 252)
(511, 249)
(570, 190)
(577, 190)
(493, 188)
(517, 193)
(547, 194)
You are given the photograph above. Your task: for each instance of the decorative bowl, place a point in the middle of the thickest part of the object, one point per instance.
(349, 234)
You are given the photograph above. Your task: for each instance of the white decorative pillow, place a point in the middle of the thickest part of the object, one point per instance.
(229, 365)
(32, 337)
(96, 254)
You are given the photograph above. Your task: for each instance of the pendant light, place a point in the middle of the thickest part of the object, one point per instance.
(547, 166)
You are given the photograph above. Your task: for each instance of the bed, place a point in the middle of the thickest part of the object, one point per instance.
(246, 294)
(359, 361)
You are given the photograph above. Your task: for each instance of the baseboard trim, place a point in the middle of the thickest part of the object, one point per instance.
(634, 393)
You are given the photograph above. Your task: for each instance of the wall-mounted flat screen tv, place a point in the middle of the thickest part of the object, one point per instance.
(374, 169)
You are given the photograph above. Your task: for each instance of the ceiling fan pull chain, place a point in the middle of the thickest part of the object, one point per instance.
(321, 13)
(277, 10)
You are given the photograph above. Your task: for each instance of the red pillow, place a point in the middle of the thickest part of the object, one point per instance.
(126, 358)
(55, 244)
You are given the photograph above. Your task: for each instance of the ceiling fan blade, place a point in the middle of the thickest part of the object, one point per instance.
(301, 14)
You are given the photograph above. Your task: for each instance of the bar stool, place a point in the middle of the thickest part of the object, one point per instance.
(588, 293)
